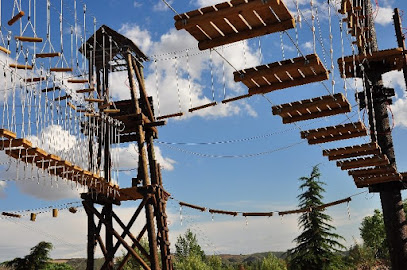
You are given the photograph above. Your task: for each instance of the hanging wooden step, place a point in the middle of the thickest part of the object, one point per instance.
(283, 74)
(312, 108)
(378, 160)
(388, 60)
(71, 106)
(352, 151)
(235, 20)
(50, 89)
(78, 80)
(21, 144)
(170, 116)
(15, 18)
(61, 69)
(28, 39)
(111, 110)
(5, 50)
(62, 98)
(377, 179)
(373, 171)
(47, 55)
(97, 100)
(334, 133)
(235, 98)
(19, 66)
(202, 107)
(35, 79)
(86, 90)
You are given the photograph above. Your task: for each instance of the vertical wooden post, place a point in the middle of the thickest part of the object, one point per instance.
(143, 168)
(390, 196)
(400, 39)
(90, 262)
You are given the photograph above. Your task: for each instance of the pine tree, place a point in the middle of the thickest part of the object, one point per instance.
(316, 245)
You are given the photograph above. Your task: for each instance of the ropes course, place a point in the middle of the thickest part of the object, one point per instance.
(59, 117)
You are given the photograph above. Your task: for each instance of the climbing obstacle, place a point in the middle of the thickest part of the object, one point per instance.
(334, 133)
(372, 171)
(352, 151)
(22, 149)
(365, 181)
(233, 21)
(283, 74)
(312, 108)
(387, 60)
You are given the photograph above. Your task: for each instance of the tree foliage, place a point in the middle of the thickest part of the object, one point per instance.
(317, 244)
(373, 234)
(36, 260)
(187, 245)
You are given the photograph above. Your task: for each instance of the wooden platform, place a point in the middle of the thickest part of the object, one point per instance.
(130, 194)
(373, 171)
(377, 160)
(377, 179)
(283, 74)
(334, 133)
(352, 151)
(233, 21)
(391, 59)
(312, 108)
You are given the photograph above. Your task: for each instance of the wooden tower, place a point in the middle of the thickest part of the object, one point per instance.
(107, 52)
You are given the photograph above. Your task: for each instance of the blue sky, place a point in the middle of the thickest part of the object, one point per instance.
(201, 172)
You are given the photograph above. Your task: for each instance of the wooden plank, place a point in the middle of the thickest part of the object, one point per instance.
(378, 160)
(5, 50)
(242, 35)
(130, 194)
(377, 180)
(337, 137)
(170, 116)
(28, 39)
(326, 131)
(308, 104)
(350, 149)
(5, 133)
(35, 79)
(86, 90)
(373, 171)
(257, 214)
(78, 81)
(97, 100)
(202, 107)
(15, 18)
(20, 66)
(61, 69)
(356, 154)
(318, 114)
(235, 98)
(47, 55)
(231, 213)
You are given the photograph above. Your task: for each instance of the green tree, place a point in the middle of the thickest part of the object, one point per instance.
(187, 245)
(58, 266)
(36, 260)
(373, 234)
(192, 262)
(132, 263)
(316, 245)
(271, 262)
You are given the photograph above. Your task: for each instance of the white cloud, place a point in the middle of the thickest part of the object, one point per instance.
(206, 3)
(179, 78)
(399, 109)
(384, 16)
(394, 79)
(137, 4)
(161, 6)
(3, 185)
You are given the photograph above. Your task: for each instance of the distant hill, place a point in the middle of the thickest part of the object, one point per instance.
(249, 259)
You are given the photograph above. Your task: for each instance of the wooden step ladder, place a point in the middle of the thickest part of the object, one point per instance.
(373, 171)
(352, 151)
(312, 108)
(334, 133)
(235, 20)
(279, 75)
(391, 59)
